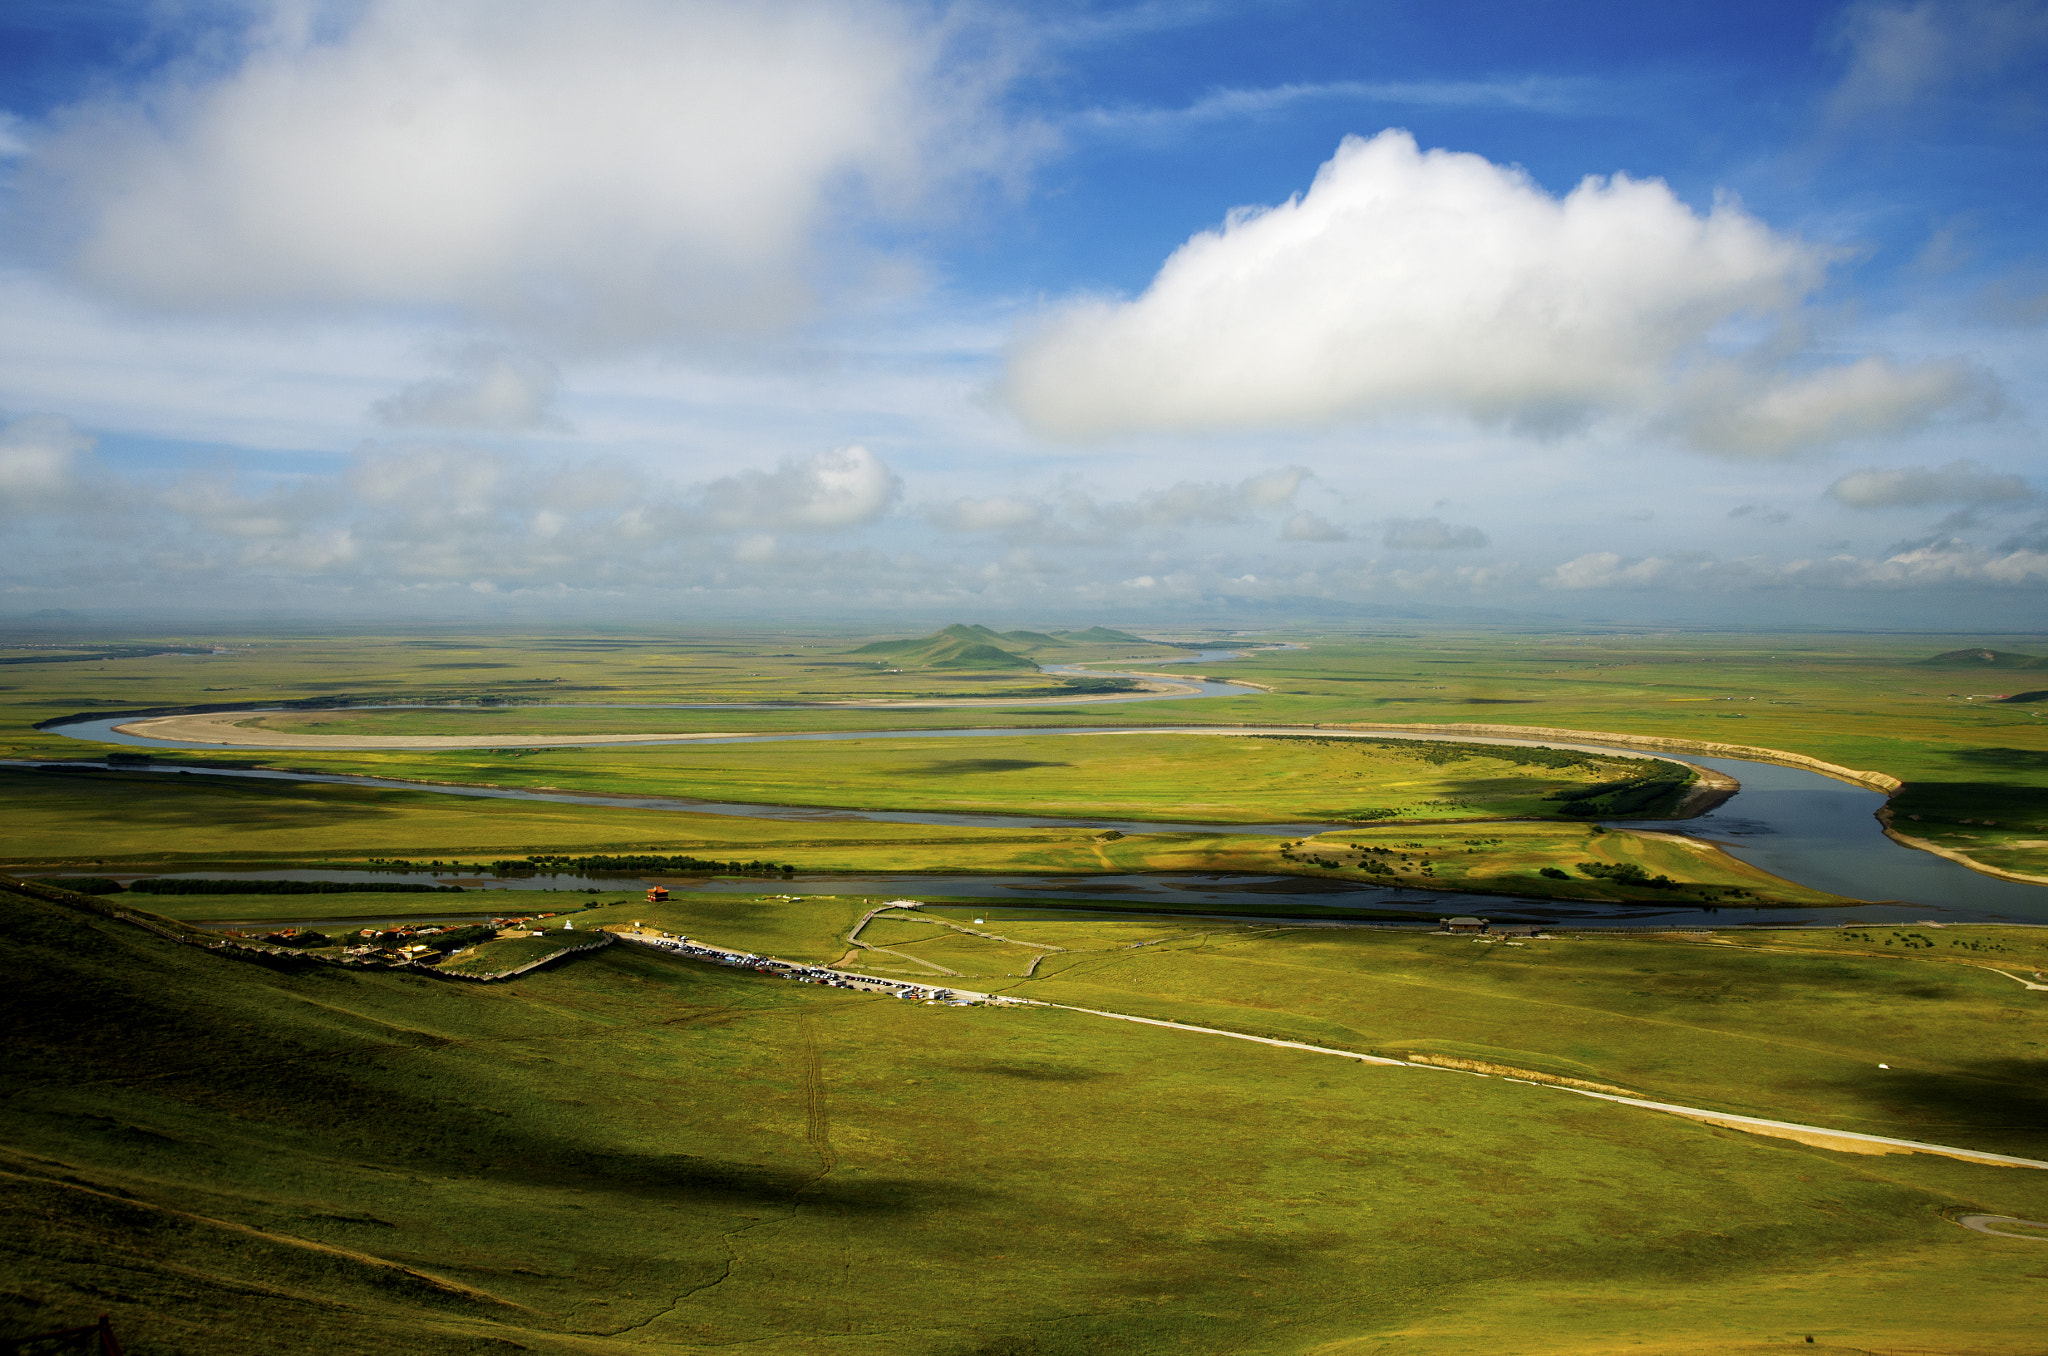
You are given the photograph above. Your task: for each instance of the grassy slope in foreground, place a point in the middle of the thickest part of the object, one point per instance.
(629, 1153)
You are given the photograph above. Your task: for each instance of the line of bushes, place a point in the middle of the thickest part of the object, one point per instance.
(1634, 795)
(1440, 751)
(1625, 873)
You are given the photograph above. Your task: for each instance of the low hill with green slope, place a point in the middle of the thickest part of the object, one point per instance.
(1984, 659)
(955, 647)
(1103, 635)
(634, 1153)
(961, 646)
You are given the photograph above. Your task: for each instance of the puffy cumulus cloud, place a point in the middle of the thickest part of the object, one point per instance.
(614, 170)
(1959, 482)
(1431, 534)
(840, 488)
(1306, 526)
(490, 386)
(41, 462)
(1407, 282)
(1073, 516)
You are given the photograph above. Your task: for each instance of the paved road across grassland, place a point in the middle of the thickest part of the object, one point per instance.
(1982, 1224)
(1819, 1136)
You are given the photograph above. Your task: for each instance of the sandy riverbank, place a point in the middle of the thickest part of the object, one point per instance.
(222, 730)
(226, 729)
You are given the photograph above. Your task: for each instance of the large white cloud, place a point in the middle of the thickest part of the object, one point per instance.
(1412, 282)
(609, 170)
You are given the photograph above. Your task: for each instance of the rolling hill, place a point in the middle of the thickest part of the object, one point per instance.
(980, 647)
(1984, 659)
(956, 647)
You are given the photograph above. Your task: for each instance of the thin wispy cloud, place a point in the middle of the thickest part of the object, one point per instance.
(1532, 94)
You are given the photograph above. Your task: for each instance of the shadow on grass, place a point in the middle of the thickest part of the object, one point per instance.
(963, 767)
(2003, 803)
(111, 1028)
(1034, 1071)
(2005, 760)
(2000, 1104)
(158, 800)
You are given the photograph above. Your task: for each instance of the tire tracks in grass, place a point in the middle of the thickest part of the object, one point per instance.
(817, 1134)
(817, 1123)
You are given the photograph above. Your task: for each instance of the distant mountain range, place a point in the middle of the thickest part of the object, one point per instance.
(979, 647)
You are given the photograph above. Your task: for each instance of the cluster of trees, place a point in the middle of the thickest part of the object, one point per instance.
(1635, 795)
(1440, 751)
(1624, 873)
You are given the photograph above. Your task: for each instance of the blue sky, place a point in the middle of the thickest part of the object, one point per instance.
(1688, 312)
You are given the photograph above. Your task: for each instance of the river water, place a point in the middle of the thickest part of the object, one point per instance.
(1793, 823)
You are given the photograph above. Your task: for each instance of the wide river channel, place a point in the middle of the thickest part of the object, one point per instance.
(1793, 823)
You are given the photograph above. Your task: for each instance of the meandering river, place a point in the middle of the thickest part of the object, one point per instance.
(1791, 822)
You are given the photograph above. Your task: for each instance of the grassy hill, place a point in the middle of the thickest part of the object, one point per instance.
(629, 1153)
(955, 647)
(1984, 659)
(961, 646)
(1103, 635)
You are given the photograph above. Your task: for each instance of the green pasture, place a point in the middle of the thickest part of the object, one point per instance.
(1976, 768)
(1181, 776)
(1488, 858)
(111, 820)
(395, 907)
(510, 953)
(1703, 1021)
(629, 1152)
(81, 818)
(1791, 1034)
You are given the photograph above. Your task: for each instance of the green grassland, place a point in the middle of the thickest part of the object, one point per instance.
(83, 818)
(629, 1152)
(509, 953)
(314, 908)
(1189, 776)
(1976, 769)
(513, 669)
(138, 821)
